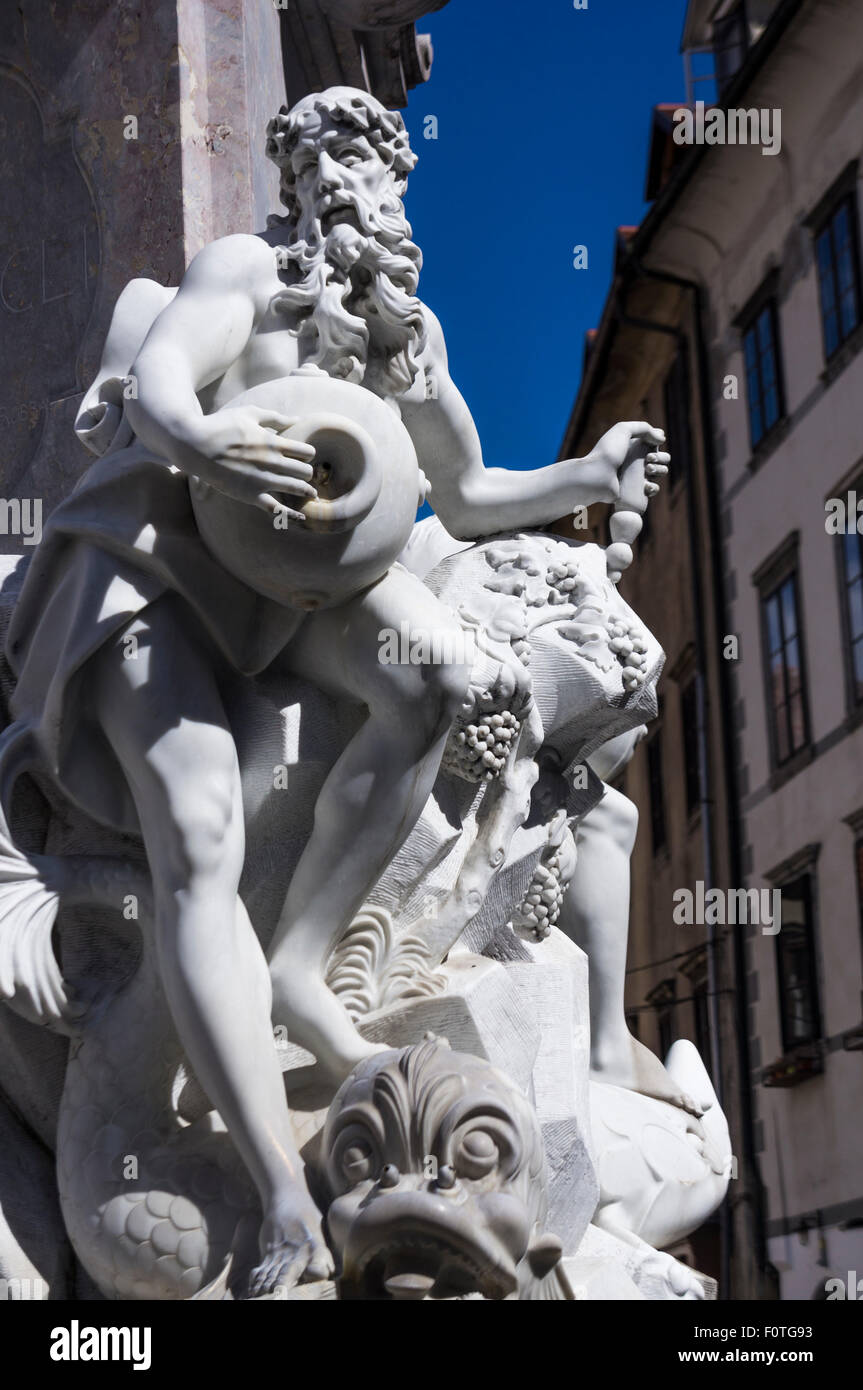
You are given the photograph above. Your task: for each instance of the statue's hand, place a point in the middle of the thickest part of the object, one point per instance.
(622, 445)
(243, 453)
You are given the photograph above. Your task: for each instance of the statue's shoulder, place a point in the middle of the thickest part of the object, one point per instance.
(241, 258)
(434, 353)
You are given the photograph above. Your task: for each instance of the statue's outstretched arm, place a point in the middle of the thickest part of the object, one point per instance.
(473, 500)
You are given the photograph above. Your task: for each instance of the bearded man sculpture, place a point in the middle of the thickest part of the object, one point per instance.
(160, 569)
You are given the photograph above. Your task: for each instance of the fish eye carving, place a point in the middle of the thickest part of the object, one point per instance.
(476, 1154)
(357, 1157)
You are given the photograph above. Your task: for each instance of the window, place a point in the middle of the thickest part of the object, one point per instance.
(799, 1008)
(838, 274)
(730, 42)
(689, 720)
(676, 403)
(783, 652)
(657, 798)
(763, 380)
(851, 573)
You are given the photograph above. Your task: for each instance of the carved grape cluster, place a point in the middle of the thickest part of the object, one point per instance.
(478, 752)
(540, 909)
(562, 579)
(630, 648)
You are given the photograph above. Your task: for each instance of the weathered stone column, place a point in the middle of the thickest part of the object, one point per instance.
(130, 137)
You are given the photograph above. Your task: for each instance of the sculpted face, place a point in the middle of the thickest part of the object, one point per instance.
(339, 178)
(351, 266)
(435, 1164)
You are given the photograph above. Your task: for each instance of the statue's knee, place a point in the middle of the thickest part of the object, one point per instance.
(203, 836)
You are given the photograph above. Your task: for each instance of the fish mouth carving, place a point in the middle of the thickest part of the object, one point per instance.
(407, 1252)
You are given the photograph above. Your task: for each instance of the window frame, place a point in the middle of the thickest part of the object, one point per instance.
(690, 744)
(853, 701)
(789, 1044)
(678, 422)
(654, 749)
(765, 301)
(845, 197)
(782, 566)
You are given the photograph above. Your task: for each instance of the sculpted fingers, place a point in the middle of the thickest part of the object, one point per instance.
(268, 452)
(271, 419)
(267, 477)
(655, 463)
(641, 430)
(655, 466)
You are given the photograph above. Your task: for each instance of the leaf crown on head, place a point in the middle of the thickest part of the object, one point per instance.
(343, 106)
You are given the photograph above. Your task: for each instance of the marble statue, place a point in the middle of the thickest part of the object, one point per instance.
(436, 1173)
(311, 780)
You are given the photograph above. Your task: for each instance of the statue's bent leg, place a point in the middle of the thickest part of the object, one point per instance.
(163, 716)
(372, 796)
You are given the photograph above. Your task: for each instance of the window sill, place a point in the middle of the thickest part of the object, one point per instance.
(795, 1067)
(771, 441)
(780, 775)
(843, 356)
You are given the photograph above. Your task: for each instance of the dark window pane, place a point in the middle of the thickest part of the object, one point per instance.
(657, 798)
(778, 680)
(689, 718)
(789, 610)
(765, 334)
(852, 574)
(851, 549)
(841, 227)
(785, 670)
(855, 608)
(761, 359)
(838, 276)
(792, 667)
(771, 408)
(677, 423)
(774, 631)
(795, 951)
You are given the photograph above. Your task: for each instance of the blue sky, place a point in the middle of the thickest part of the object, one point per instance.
(543, 124)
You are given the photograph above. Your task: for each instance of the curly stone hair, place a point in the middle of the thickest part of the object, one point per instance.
(348, 107)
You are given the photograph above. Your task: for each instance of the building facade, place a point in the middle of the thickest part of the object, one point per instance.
(735, 319)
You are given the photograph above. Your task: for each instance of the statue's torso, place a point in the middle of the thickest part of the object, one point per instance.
(272, 352)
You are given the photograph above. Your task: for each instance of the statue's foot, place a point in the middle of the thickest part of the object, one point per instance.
(636, 1068)
(292, 1247)
(336, 1067)
(320, 1023)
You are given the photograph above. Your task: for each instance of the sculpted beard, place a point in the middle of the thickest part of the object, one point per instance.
(359, 317)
